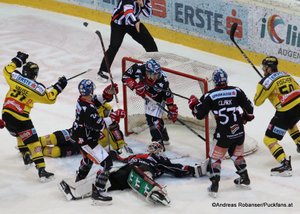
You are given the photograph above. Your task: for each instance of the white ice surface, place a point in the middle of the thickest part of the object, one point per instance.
(62, 46)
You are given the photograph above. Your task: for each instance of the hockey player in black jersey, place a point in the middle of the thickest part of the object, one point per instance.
(125, 19)
(225, 101)
(60, 144)
(148, 80)
(139, 173)
(86, 131)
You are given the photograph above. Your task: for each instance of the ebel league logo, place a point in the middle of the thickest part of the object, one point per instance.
(280, 32)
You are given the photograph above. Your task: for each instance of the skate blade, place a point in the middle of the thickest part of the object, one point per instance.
(157, 200)
(102, 79)
(68, 196)
(282, 174)
(243, 186)
(212, 194)
(166, 143)
(46, 180)
(28, 166)
(101, 203)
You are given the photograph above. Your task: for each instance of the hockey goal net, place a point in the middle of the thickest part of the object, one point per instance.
(186, 77)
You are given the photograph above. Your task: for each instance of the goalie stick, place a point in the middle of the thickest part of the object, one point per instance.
(232, 32)
(72, 77)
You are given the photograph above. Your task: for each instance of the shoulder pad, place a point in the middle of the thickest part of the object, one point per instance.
(268, 81)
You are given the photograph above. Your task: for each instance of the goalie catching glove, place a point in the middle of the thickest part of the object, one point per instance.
(109, 91)
(117, 115)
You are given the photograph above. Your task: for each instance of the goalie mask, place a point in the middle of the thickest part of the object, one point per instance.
(86, 87)
(153, 71)
(30, 70)
(155, 148)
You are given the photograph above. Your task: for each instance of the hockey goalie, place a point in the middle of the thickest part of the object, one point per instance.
(138, 173)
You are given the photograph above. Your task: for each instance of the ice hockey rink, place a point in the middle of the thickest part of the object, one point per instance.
(61, 45)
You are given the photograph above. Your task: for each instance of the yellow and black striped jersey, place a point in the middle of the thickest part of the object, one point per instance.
(23, 93)
(275, 87)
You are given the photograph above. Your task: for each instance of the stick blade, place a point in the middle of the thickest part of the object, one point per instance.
(232, 30)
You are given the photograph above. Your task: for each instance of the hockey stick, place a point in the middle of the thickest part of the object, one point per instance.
(179, 120)
(232, 32)
(72, 77)
(169, 91)
(106, 62)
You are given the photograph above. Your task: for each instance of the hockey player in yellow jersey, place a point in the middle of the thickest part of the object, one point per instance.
(60, 144)
(284, 93)
(23, 92)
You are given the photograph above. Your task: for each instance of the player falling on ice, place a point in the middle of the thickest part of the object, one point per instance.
(139, 173)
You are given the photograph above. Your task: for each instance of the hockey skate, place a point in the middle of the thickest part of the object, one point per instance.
(298, 147)
(243, 181)
(100, 197)
(284, 170)
(27, 159)
(157, 196)
(213, 189)
(102, 76)
(64, 187)
(44, 175)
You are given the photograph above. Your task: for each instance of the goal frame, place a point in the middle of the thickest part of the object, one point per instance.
(167, 70)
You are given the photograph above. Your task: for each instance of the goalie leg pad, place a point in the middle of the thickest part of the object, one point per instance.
(145, 186)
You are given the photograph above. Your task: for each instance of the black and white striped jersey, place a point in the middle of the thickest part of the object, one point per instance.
(127, 12)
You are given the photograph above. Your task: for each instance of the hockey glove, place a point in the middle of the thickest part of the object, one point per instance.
(193, 101)
(247, 117)
(117, 115)
(2, 124)
(109, 91)
(61, 84)
(140, 89)
(20, 59)
(131, 83)
(173, 112)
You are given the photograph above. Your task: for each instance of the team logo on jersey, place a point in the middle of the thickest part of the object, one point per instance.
(279, 131)
(31, 84)
(66, 135)
(234, 128)
(223, 94)
(27, 134)
(270, 79)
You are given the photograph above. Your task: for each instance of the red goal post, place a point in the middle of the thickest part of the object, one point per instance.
(186, 77)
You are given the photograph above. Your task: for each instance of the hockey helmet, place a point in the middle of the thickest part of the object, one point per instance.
(86, 87)
(155, 148)
(270, 61)
(219, 77)
(153, 70)
(30, 70)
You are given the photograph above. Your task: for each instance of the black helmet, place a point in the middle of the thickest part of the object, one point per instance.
(270, 61)
(30, 70)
